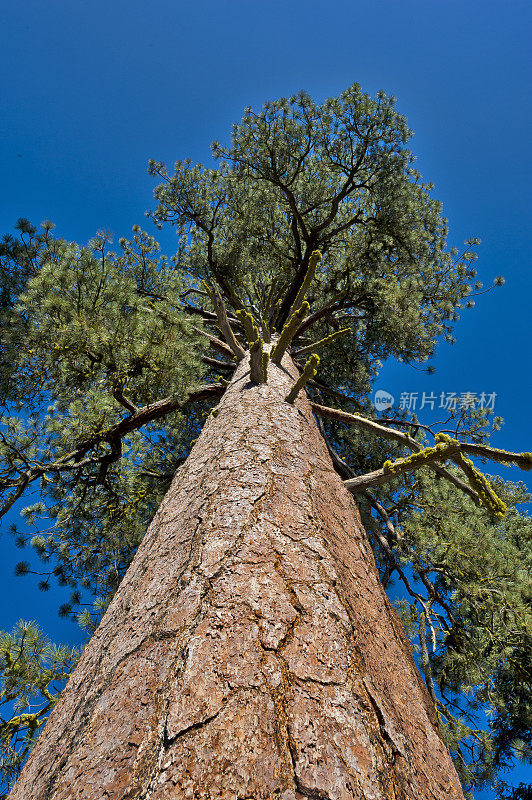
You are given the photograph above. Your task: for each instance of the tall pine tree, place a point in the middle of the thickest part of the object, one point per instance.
(249, 649)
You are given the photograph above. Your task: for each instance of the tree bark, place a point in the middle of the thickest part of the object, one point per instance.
(250, 651)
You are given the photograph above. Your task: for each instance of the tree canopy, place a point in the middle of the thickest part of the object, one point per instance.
(311, 231)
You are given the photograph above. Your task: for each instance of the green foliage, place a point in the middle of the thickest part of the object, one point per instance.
(472, 574)
(480, 570)
(90, 324)
(33, 672)
(337, 177)
(88, 342)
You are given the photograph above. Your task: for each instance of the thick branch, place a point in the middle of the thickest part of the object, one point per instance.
(287, 334)
(402, 438)
(367, 424)
(384, 475)
(222, 347)
(144, 415)
(225, 327)
(309, 348)
(119, 395)
(112, 436)
(309, 370)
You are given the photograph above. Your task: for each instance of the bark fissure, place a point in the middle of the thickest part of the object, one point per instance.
(250, 651)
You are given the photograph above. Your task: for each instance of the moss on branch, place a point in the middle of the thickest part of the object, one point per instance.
(314, 260)
(309, 370)
(309, 348)
(287, 334)
(248, 323)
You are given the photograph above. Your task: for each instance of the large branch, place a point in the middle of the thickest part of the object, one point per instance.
(146, 414)
(446, 448)
(222, 347)
(390, 433)
(332, 305)
(367, 424)
(223, 322)
(384, 475)
(75, 459)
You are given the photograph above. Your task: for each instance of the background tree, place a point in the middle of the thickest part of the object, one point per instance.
(315, 228)
(33, 672)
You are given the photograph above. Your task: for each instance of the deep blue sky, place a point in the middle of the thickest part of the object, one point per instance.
(91, 90)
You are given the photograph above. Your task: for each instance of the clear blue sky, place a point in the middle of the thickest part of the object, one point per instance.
(91, 90)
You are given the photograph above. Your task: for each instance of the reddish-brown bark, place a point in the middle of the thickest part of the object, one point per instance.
(250, 651)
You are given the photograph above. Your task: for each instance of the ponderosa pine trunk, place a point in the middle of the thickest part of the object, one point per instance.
(250, 651)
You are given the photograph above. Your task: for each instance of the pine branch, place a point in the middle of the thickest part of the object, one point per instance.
(75, 459)
(445, 448)
(395, 469)
(367, 424)
(118, 395)
(221, 314)
(390, 433)
(384, 543)
(287, 334)
(222, 347)
(326, 340)
(434, 595)
(248, 323)
(309, 370)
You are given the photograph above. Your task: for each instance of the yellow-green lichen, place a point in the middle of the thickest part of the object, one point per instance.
(482, 486)
(248, 323)
(288, 332)
(444, 445)
(309, 370)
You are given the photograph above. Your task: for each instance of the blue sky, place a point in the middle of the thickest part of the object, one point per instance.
(92, 90)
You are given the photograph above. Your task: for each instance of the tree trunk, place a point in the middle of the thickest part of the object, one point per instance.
(250, 651)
